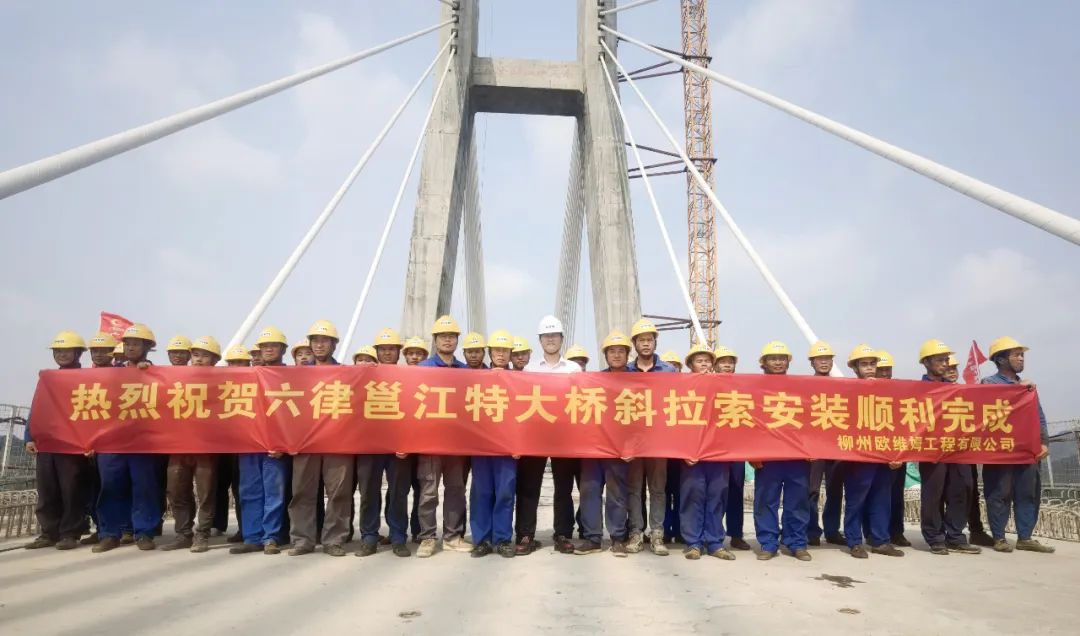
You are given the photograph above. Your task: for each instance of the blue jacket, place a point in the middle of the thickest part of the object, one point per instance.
(999, 378)
(436, 361)
(658, 365)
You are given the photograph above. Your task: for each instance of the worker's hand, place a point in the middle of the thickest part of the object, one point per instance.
(627, 459)
(276, 454)
(1045, 451)
(516, 456)
(895, 465)
(31, 448)
(90, 453)
(1027, 383)
(757, 465)
(401, 455)
(143, 366)
(690, 462)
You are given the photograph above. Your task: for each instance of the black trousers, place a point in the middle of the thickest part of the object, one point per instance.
(946, 492)
(530, 478)
(975, 525)
(896, 500)
(228, 480)
(564, 472)
(61, 491)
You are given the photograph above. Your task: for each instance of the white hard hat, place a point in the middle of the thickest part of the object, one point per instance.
(549, 324)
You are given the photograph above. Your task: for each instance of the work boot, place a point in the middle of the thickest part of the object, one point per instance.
(963, 548)
(901, 541)
(1001, 545)
(298, 550)
(401, 550)
(237, 537)
(1031, 545)
(271, 547)
(738, 543)
(506, 550)
(939, 548)
(384, 540)
(245, 548)
(835, 539)
(983, 539)
(765, 555)
(90, 539)
(564, 545)
(106, 544)
(886, 549)
(590, 547)
(181, 542)
(802, 555)
(859, 552)
(427, 548)
(635, 543)
(67, 543)
(722, 553)
(692, 553)
(618, 549)
(457, 544)
(334, 550)
(127, 538)
(481, 549)
(657, 543)
(367, 549)
(40, 542)
(200, 544)
(814, 541)
(145, 543)
(526, 545)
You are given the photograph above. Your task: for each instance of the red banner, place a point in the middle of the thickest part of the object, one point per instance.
(385, 409)
(113, 324)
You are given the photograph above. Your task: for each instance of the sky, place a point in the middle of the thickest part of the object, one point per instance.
(186, 233)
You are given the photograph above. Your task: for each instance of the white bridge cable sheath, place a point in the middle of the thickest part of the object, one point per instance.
(305, 242)
(655, 206)
(744, 242)
(624, 7)
(1040, 216)
(35, 173)
(394, 209)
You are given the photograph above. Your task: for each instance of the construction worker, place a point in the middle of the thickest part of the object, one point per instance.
(494, 478)
(674, 360)
(448, 469)
(179, 351)
(228, 467)
(338, 473)
(521, 353)
(946, 488)
(301, 353)
(1018, 484)
(976, 531)
(193, 508)
(884, 371)
(564, 470)
(265, 476)
(703, 487)
(790, 478)
(130, 482)
(952, 370)
(577, 353)
(607, 474)
(118, 355)
(256, 356)
(650, 471)
(473, 349)
(415, 351)
(725, 361)
(238, 356)
(365, 356)
(101, 348)
(867, 484)
(60, 477)
(821, 357)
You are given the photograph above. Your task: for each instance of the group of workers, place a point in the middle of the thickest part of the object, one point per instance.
(308, 499)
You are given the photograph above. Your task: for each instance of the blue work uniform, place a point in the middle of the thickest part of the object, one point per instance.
(868, 506)
(790, 479)
(264, 484)
(734, 510)
(597, 475)
(1016, 484)
(703, 495)
(491, 498)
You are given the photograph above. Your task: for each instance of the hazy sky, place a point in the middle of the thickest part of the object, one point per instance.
(186, 233)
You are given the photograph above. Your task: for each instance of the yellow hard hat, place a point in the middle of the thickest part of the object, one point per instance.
(417, 343)
(299, 344)
(863, 351)
(500, 339)
(884, 359)
(388, 337)
(615, 339)
(643, 325)
(272, 335)
(119, 350)
(724, 352)
(952, 361)
(323, 328)
(366, 350)
(141, 331)
(68, 340)
(473, 340)
(254, 350)
(577, 352)
(102, 340)
(775, 348)
(699, 347)
(207, 343)
(237, 352)
(671, 357)
(445, 324)
(820, 348)
(521, 345)
(1004, 344)
(179, 343)
(933, 348)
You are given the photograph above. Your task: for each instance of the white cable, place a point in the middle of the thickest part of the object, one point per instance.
(1040, 216)
(655, 206)
(452, 5)
(320, 221)
(33, 174)
(394, 209)
(774, 284)
(624, 7)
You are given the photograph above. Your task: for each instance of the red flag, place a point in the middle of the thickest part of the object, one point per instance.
(975, 358)
(114, 325)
